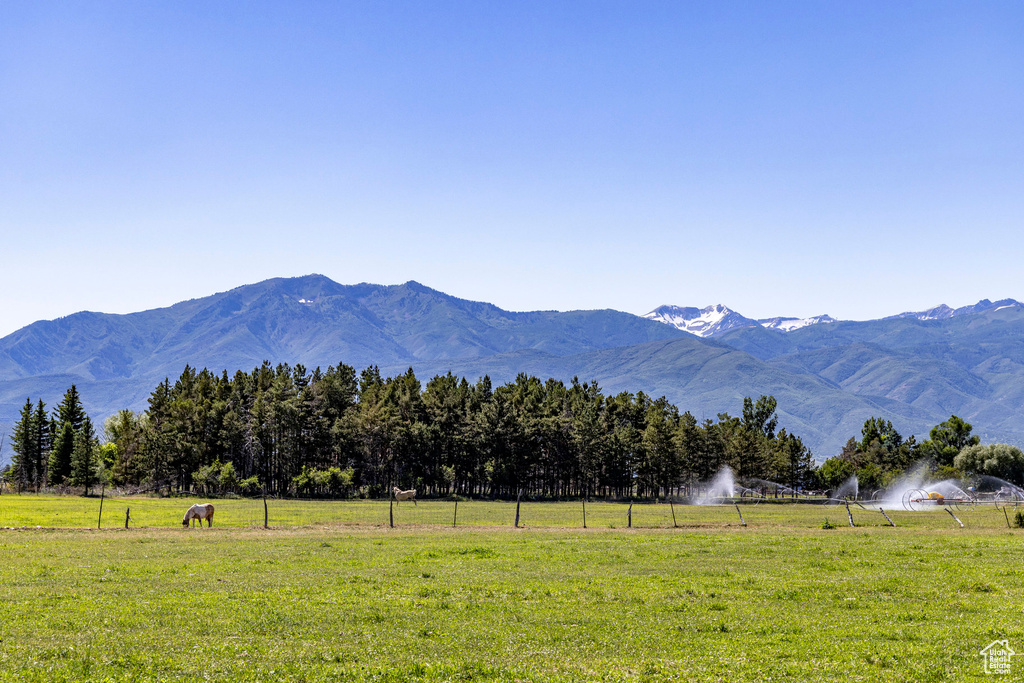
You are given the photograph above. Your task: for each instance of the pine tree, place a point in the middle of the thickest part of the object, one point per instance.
(60, 455)
(83, 457)
(23, 441)
(44, 442)
(70, 410)
(68, 420)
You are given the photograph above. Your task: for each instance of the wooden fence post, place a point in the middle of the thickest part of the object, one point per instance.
(518, 497)
(391, 512)
(127, 516)
(99, 522)
(629, 515)
(455, 517)
(672, 506)
(266, 513)
(584, 512)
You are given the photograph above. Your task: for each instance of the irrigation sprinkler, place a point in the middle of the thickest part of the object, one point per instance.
(915, 500)
(849, 514)
(954, 517)
(672, 506)
(742, 521)
(1007, 516)
(891, 523)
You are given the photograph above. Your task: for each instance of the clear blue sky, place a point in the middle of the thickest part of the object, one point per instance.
(854, 158)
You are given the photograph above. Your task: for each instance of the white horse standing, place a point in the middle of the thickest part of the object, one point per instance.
(404, 495)
(200, 512)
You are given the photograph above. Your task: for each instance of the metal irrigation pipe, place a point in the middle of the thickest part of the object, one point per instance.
(743, 521)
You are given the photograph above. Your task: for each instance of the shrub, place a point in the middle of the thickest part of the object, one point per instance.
(833, 472)
(1018, 519)
(997, 460)
(827, 524)
(205, 479)
(948, 472)
(227, 478)
(303, 481)
(332, 481)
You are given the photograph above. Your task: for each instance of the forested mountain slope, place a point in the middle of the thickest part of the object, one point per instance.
(971, 364)
(310, 320)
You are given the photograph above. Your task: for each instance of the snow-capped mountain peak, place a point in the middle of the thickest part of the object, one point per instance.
(942, 311)
(703, 322)
(718, 319)
(790, 324)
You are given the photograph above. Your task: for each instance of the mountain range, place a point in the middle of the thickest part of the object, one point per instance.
(714, 321)
(828, 375)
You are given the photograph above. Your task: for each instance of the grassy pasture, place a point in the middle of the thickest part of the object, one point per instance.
(330, 593)
(75, 512)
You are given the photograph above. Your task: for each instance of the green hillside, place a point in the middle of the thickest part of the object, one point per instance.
(971, 365)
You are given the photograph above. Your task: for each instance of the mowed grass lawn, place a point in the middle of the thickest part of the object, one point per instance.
(331, 593)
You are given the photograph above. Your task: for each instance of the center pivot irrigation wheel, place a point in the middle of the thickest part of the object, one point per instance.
(912, 500)
(965, 504)
(750, 494)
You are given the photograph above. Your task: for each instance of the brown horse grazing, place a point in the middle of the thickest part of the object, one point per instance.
(199, 512)
(404, 495)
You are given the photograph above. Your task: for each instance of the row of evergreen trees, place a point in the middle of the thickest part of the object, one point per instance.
(285, 430)
(55, 450)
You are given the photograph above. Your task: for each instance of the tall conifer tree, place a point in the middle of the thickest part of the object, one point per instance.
(60, 455)
(23, 441)
(83, 457)
(70, 410)
(44, 441)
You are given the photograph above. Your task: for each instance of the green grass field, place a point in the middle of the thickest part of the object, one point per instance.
(331, 593)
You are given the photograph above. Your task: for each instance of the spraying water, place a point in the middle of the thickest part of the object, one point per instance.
(918, 486)
(723, 485)
(770, 487)
(913, 480)
(849, 490)
(996, 489)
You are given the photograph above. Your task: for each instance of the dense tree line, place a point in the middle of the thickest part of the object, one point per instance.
(286, 430)
(55, 450)
(951, 451)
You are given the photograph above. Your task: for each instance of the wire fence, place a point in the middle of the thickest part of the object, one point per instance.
(76, 512)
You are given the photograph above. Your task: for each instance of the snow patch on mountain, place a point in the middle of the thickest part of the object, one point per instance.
(703, 322)
(942, 311)
(790, 324)
(718, 319)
